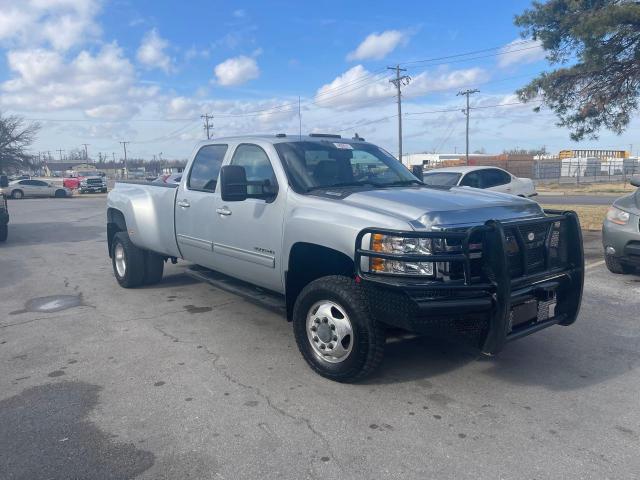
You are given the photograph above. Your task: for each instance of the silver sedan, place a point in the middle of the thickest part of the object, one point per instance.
(34, 188)
(621, 233)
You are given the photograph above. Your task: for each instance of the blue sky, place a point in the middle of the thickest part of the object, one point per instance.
(98, 72)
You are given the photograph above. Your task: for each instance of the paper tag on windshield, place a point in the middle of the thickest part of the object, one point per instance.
(343, 146)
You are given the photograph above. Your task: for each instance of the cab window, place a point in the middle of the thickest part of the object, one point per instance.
(206, 167)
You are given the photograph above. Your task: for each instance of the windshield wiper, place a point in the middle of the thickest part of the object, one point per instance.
(400, 183)
(346, 184)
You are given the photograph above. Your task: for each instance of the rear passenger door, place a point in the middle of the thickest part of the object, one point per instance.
(497, 180)
(195, 208)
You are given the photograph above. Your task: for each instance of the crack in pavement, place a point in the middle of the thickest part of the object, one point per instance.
(297, 419)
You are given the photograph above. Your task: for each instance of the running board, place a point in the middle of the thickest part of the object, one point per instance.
(259, 296)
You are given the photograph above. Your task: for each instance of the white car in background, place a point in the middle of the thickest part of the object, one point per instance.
(34, 188)
(490, 178)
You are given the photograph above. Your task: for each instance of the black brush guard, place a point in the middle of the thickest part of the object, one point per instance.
(498, 290)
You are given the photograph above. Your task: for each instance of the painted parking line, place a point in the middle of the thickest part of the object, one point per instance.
(594, 264)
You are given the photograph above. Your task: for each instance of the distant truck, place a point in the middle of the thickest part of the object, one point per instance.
(86, 181)
(354, 243)
(4, 210)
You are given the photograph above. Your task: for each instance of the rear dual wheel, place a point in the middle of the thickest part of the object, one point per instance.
(133, 266)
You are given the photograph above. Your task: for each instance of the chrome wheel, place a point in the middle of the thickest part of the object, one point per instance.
(120, 260)
(329, 331)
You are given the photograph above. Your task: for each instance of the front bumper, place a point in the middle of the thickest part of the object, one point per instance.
(492, 296)
(624, 239)
(92, 188)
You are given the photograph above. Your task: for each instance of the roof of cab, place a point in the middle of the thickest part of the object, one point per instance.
(279, 138)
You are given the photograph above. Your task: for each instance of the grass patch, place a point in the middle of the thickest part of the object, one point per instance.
(591, 216)
(587, 188)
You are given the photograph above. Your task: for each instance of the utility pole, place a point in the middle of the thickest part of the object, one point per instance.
(124, 146)
(86, 152)
(207, 125)
(398, 82)
(467, 93)
(299, 119)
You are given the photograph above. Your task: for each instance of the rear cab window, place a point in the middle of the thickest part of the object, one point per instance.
(205, 168)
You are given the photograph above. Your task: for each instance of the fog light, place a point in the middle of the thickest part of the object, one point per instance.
(610, 250)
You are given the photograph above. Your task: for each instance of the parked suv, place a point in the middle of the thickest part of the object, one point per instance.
(354, 243)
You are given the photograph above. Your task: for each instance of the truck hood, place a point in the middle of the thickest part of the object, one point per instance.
(457, 206)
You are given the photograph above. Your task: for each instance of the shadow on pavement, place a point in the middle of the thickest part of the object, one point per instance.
(47, 233)
(44, 433)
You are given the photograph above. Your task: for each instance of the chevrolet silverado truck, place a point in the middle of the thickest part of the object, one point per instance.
(354, 243)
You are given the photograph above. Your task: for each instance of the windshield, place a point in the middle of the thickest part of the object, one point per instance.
(316, 165)
(441, 179)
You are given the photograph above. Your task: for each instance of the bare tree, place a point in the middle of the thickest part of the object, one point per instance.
(16, 135)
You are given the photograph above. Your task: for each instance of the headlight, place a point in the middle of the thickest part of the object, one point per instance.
(617, 216)
(400, 245)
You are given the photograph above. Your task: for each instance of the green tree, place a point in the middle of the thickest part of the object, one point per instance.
(16, 136)
(596, 46)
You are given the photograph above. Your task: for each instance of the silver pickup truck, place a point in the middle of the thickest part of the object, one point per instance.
(355, 243)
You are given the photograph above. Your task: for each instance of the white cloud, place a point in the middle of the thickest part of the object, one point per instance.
(102, 84)
(357, 88)
(352, 89)
(152, 52)
(60, 24)
(520, 51)
(236, 71)
(378, 45)
(240, 13)
(427, 82)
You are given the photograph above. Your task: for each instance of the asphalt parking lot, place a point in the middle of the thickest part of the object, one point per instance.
(181, 380)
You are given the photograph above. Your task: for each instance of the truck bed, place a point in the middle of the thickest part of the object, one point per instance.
(149, 210)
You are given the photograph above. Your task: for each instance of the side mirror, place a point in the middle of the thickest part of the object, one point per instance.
(4, 181)
(233, 183)
(635, 181)
(418, 171)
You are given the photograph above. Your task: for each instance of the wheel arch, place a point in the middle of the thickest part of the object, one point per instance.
(308, 262)
(115, 223)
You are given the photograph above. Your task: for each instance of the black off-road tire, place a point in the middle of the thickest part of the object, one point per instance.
(4, 232)
(17, 194)
(614, 265)
(154, 267)
(134, 260)
(369, 336)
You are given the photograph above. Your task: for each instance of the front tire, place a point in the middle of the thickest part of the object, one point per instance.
(614, 265)
(17, 194)
(335, 331)
(128, 261)
(4, 232)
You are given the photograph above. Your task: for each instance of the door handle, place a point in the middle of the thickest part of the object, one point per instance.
(223, 211)
(184, 204)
